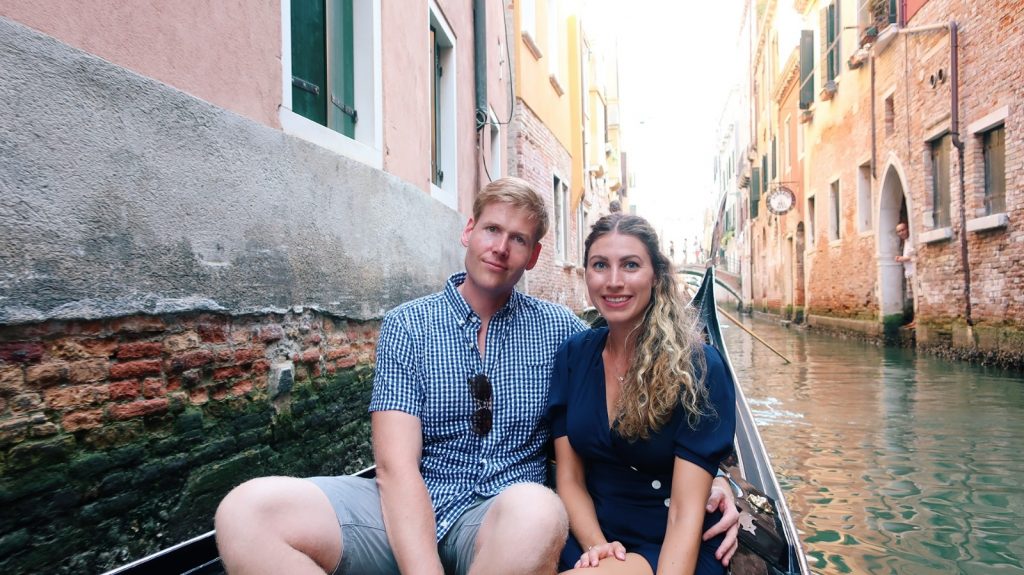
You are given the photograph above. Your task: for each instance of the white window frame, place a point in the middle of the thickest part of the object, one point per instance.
(864, 202)
(495, 168)
(835, 211)
(581, 231)
(367, 146)
(447, 192)
(560, 203)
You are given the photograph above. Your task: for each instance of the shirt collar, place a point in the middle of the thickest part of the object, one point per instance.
(461, 308)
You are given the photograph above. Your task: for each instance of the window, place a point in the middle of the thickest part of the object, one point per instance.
(554, 38)
(561, 202)
(831, 32)
(835, 214)
(331, 75)
(890, 115)
(755, 191)
(811, 222)
(993, 152)
(787, 132)
(322, 33)
(938, 155)
(443, 167)
(806, 69)
(873, 16)
(864, 198)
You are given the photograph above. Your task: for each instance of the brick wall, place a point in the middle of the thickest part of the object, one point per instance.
(119, 437)
(539, 157)
(846, 278)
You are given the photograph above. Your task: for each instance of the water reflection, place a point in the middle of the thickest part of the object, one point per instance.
(892, 462)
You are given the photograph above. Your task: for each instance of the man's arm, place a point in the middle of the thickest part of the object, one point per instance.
(404, 500)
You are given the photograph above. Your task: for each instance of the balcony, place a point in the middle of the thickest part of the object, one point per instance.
(873, 17)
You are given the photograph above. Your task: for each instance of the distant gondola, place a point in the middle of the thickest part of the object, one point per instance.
(750, 467)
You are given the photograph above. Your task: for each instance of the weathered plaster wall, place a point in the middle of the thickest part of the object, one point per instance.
(173, 42)
(122, 195)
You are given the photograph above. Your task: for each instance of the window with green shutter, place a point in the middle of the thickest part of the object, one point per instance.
(755, 191)
(323, 87)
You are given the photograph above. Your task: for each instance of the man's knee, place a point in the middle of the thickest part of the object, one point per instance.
(266, 512)
(534, 505)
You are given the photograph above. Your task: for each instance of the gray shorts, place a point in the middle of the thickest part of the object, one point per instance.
(356, 502)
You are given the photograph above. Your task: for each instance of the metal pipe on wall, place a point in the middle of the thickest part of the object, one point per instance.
(480, 64)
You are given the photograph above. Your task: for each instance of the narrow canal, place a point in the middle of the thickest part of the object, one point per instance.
(893, 463)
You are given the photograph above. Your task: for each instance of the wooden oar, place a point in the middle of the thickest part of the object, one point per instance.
(737, 323)
(752, 334)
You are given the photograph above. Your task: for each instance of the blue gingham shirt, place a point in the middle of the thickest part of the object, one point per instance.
(426, 353)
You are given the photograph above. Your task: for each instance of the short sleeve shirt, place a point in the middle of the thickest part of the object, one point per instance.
(426, 355)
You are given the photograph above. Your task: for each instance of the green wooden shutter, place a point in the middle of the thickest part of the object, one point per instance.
(774, 159)
(806, 69)
(755, 191)
(343, 115)
(309, 62)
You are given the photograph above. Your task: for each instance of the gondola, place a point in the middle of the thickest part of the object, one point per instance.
(750, 467)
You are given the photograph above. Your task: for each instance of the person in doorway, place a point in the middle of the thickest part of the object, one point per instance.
(642, 412)
(906, 257)
(459, 392)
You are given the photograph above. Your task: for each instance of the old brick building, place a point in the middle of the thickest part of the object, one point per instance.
(910, 111)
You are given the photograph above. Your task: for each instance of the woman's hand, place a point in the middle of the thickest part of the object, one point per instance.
(593, 556)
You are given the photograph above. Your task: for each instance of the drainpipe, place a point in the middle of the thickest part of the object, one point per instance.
(480, 56)
(954, 127)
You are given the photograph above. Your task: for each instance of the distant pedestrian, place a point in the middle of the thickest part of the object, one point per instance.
(906, 257)
(614, 206)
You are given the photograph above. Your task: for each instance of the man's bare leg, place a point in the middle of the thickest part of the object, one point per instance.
(277, 525)
(523, 533)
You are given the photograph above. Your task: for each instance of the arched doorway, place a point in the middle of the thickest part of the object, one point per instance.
(893, 207)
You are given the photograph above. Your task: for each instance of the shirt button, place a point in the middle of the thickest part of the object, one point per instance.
(656, 484)
(667, 501)
(483, 462)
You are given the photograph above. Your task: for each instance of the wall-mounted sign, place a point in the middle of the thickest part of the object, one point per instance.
(780, 200)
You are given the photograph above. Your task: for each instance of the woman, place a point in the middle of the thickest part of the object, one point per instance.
(642, 413)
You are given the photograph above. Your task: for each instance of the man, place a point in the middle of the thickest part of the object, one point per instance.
(460, 388)
(906, 257)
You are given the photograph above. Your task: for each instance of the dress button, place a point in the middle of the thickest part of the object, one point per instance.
(656, 484)
(667, 501)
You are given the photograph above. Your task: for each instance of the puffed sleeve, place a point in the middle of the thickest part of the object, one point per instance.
(712, 440)
(558, 394)
(396, 386)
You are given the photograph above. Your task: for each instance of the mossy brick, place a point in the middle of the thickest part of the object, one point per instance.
(114, 435)
(30, 483)
(251, 421)
(221, 476)
(188, 419)
(10, 543)
(36, 454)
(214, 450)
(114, 483)
(176, 443)
(252, 437)
(162, 472)
(109, 507)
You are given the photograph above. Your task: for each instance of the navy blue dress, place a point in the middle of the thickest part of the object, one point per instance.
(631, 482)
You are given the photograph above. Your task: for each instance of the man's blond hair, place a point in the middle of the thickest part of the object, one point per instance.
(517, 193)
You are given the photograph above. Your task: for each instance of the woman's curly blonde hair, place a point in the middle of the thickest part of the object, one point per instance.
(667, 355)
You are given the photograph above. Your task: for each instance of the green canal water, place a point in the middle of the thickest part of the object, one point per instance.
(892, 462)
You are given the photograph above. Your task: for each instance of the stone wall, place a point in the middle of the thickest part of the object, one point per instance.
(162, 264)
